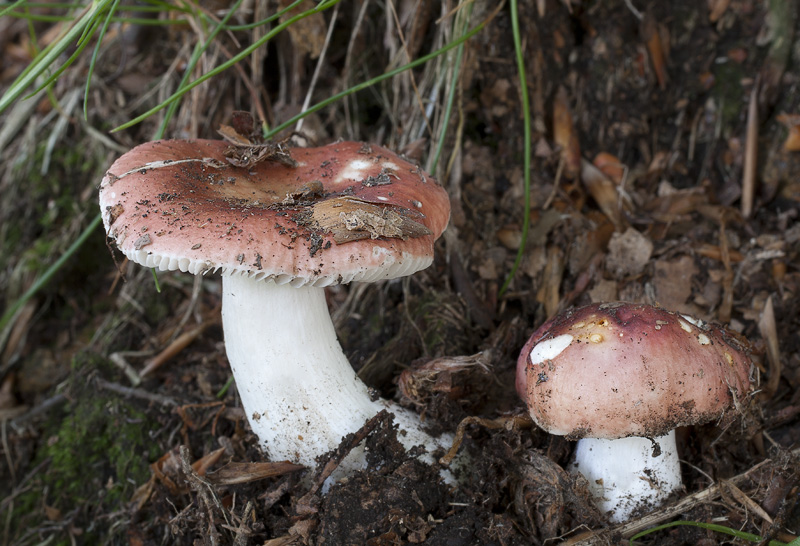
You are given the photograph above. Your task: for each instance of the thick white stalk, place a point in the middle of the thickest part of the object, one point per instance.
(298, 390)
(624, 476)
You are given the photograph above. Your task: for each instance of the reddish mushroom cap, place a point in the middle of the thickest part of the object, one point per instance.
(348, 211)
(614, 370)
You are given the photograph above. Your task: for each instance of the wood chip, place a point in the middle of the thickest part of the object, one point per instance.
(236, 473)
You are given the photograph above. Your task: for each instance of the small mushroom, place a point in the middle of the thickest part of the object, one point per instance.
(269, 229)
(620, 377)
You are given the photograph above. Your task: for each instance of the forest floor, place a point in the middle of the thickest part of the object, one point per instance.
(689, 110)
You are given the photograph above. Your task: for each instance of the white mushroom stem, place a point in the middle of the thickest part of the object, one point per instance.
(297, 388)
(624, 476)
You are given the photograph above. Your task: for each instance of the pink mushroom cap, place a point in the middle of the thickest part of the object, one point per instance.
(614, 370)
(348, 211)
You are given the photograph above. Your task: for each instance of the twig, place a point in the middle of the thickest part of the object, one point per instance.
(243, 531)
(751, 505)
(135, 393)
(174, 348)
(354, 34)
(636, 13)
(37, 410)
(206, 492)
(6, 450)
(317, 69)
(120, 362)
(750, 154)
(20, 487)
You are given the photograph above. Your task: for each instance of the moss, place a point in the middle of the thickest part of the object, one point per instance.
(102, 439)
(95, 454)
(728, 92)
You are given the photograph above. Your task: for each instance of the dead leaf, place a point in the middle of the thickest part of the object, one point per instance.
(653, 35)
(792, 123)
(717, 9)
(142, 493)
(417, 382)
(672, 280)
(308, 33)
(610, 166)
(233, 136)
(565, 136)
(236, 473)
(166, 469)
(549, 293)
(350, 219)
(51, 513)
(628, 253)
(248, 147)
(769, 332)
(605, 194)
(205, 462)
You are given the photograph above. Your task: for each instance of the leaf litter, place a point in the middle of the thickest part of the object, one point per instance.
(670, 106)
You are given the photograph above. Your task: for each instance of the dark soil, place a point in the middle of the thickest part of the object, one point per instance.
(92, 455)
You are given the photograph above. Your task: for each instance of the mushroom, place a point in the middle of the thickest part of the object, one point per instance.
(620, 377)
(279, 233)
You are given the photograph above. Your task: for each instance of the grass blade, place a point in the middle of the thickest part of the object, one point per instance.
(526, 169)
(50, 55)
(711, 527)
(93, 61)
(45, 278)
(195, 58)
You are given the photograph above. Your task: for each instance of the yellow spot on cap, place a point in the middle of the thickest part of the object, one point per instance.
(603, 322)
(596, 338)
(729, 358)
(580, 324)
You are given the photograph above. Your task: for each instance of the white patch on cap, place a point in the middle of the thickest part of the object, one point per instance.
(703, 339)
(697, 322)
(685, 326)
(550, 348)
(355, 170)
(379, 252)
(389, 166)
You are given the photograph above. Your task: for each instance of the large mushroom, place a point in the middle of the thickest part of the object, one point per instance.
(620, 377)
(279, 232)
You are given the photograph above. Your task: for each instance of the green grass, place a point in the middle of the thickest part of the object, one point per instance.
(713, 527)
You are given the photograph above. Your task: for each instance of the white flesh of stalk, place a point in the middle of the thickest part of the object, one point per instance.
(298, 390)
(624, 476)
